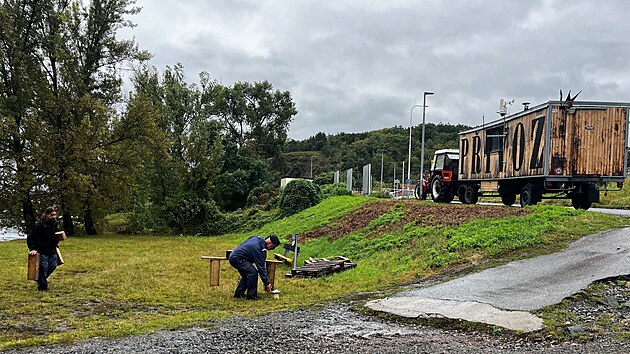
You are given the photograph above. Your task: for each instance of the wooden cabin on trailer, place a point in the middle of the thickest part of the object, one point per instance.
(553, 150)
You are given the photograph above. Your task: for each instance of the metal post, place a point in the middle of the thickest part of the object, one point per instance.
(424, 106)
(295, 250)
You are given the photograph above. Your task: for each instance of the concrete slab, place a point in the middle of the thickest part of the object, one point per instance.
(423, 307)
(528, 284)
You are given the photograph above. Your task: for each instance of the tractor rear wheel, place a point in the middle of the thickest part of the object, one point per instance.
(440, 192)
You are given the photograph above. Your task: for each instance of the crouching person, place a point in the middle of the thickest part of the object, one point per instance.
(42, 240)
(244, 256)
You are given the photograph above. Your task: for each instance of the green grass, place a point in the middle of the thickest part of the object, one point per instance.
(117, 285)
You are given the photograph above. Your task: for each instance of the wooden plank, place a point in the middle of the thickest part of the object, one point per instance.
(59, 257)
(211, 258)
(215, 271)
(33, 267)
(271, 271)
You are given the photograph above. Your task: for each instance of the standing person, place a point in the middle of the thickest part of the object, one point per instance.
(252, 250)
(42, 240)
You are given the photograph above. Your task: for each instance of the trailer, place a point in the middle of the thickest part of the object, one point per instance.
(558, 149)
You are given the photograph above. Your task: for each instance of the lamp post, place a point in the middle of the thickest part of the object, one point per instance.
(409, 159)
(424, 106)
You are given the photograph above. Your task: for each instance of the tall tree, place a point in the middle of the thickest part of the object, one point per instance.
(256, 117)
(19, 73)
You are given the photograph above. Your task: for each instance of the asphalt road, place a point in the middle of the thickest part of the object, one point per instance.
(503, 295)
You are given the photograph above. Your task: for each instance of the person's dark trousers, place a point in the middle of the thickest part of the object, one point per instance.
(249, 278)
(47, 265)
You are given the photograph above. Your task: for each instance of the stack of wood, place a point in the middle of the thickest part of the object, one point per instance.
(317, 267)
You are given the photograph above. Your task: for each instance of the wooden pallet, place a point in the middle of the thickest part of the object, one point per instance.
(321, 267)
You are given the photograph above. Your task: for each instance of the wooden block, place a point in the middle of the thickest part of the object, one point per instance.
(271, 271)
(59, 258)
(33, 267)
(61, 235)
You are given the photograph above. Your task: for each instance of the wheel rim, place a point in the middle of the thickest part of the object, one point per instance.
(525, 198)
(436, 188)
(468, 195)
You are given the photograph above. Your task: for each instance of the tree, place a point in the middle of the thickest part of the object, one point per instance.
(19, 72)
(256, 117)
(59, 64)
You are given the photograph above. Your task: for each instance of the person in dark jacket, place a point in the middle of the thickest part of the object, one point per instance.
(244, 256)
(42, 240)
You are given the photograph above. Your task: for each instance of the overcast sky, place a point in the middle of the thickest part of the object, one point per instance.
(355, 66)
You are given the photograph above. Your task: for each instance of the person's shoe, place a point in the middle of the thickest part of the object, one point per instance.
(255, 297)
(42, 289)
(239, 296)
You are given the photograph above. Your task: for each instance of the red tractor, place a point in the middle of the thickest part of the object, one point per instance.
(442, 178)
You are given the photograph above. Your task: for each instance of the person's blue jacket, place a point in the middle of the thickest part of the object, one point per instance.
(253, 250)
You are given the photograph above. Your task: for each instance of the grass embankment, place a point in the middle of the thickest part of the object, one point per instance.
(118, 285)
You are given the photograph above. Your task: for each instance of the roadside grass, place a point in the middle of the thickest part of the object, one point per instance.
(116, 285)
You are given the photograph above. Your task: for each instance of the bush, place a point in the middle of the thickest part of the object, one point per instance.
(332, 190)
(324, 178)
(298, 195)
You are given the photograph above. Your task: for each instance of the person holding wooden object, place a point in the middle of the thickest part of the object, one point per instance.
(252, 251)
(42, 241)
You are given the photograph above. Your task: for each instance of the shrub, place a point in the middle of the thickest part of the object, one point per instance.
(332, 190)
(324, 178)
(298, 195)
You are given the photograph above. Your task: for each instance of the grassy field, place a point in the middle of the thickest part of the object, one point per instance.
(119, 285)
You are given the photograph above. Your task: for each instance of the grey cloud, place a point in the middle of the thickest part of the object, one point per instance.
(357, 66)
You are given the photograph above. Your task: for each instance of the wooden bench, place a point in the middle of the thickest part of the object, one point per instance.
(215, 269)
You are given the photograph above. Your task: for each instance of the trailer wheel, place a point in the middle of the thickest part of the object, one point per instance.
(579, 201)
(468, 195)
(508, 199)
(439, 191)
(527, 196)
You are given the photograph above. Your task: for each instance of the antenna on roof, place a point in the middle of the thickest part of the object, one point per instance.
(503, 107)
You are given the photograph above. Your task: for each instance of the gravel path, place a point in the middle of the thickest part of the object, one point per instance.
(334, 329)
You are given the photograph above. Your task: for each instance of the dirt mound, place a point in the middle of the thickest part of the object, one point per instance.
(423, 214)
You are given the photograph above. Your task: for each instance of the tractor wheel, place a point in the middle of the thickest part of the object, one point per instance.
(527, 196)
(468, 195)
(508, 199)
(439, 191)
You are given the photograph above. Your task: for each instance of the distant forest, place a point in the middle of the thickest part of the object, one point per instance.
(386, 147)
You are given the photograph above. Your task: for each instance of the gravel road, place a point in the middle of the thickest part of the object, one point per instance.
(333, 329)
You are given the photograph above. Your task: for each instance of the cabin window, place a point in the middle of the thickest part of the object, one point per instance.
(439, 162)
(494, 140)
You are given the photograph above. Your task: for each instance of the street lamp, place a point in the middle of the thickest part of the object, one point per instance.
(424, 106)
(409, 164)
